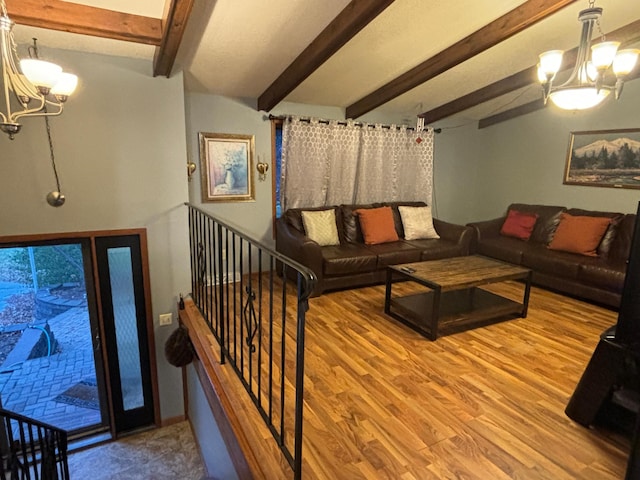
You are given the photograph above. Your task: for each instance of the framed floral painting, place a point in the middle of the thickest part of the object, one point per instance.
(226, 165)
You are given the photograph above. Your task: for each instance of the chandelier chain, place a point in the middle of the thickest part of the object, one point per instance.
(53, 159)
(602, 35)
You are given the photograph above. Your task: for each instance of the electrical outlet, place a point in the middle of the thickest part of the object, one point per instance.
(224, 254)
(166, 319)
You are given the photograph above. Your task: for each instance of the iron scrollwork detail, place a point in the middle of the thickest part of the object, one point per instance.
(250, 320)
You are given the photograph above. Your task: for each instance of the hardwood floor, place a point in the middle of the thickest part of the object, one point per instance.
(383, 402)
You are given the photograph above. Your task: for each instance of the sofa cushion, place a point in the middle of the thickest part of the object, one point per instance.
(605, 274)
(320, 226)
(377, 225)
(417, 223)
(293, 216)
(397, 219)
(560, 264)
(394, 253)
(548, 219)
(621, 244)
(610, 234)
(350, 224)
(579, 234)
(503, 248)
(347, 259)
(519, 224)
(435, 249)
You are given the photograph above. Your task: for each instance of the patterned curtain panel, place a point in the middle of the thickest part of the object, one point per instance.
(318, 162)
(329, 164)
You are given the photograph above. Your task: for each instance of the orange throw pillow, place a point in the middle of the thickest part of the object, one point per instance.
(377, 225)
(579, 234)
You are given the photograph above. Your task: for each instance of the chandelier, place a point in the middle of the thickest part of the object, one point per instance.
(591, 80)
(31, 87)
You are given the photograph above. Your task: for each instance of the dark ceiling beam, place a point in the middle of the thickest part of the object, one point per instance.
(488, 36)
(625, 35)
(174, 22)
(76, 18)
(512, 113)
(533, 106)
(353, 18)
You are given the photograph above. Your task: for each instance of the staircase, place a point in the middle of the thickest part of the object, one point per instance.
(32, 450)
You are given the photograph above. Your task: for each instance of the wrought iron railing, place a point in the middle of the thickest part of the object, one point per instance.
(258, 317)
(32, 449)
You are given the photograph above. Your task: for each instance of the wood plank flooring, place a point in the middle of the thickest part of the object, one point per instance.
(383, 402)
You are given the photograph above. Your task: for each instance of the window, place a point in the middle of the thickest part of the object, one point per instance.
(277, 166)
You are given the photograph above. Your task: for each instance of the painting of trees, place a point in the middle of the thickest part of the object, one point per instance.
(608, 158)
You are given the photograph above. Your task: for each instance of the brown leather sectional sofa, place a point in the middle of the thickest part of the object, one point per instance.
(599, 278)
(352, 263)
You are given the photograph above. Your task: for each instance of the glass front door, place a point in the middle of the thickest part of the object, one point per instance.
(125, 324)
(50, 355)
(74, 332)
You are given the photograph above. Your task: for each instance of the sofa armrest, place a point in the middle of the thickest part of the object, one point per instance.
(295, 245)
(459, 234)
(487, 228)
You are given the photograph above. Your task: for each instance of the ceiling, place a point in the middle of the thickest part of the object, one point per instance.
(468, 60)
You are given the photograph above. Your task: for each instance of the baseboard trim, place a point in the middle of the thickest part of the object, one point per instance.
(166, 422)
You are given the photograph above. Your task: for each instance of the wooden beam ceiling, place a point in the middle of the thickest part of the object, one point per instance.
(76, 18)
(165, 33)
(353, 18)
(174, 21)
(626, 35)
(495, 32)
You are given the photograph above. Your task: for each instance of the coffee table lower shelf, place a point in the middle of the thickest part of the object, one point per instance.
(458, 310)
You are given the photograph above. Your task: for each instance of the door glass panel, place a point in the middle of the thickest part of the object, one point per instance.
(48, 368)
(125, 319)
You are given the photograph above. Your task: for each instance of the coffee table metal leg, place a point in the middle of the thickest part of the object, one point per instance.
(387, 293)
(435, 314)
(525, 301)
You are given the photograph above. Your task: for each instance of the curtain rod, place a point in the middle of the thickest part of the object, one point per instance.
(326, 122)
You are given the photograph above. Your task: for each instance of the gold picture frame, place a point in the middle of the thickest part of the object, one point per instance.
(226, 166)
(604, 158)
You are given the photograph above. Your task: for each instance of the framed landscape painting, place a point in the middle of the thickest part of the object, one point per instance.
(604, 158)
(226, 166)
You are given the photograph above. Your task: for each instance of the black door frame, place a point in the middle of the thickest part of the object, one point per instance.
(96, 294)
(125, 420)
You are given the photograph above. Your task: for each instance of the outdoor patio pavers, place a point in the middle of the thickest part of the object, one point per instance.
(30, 388)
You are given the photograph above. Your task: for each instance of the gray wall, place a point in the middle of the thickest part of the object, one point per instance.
(218, 114)
(121, 154)
(213, 450)
(480, 172)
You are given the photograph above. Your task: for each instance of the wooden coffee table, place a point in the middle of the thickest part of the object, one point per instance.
(452, 301)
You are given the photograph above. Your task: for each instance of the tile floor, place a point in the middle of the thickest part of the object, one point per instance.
(168, 453)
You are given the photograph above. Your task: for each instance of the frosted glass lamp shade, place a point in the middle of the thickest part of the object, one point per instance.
(625, 61)
(550, 63)
(602, 54)
(66, 85)
(578, 98)
(40, 73)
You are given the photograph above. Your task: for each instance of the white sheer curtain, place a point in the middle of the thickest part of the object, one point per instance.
(319, 162)
(333, 163)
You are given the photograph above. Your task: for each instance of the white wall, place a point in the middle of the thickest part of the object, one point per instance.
(523, 160)
(121, 154)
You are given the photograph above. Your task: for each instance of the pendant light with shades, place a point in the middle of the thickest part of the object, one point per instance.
(591, 80)
(30, 87)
